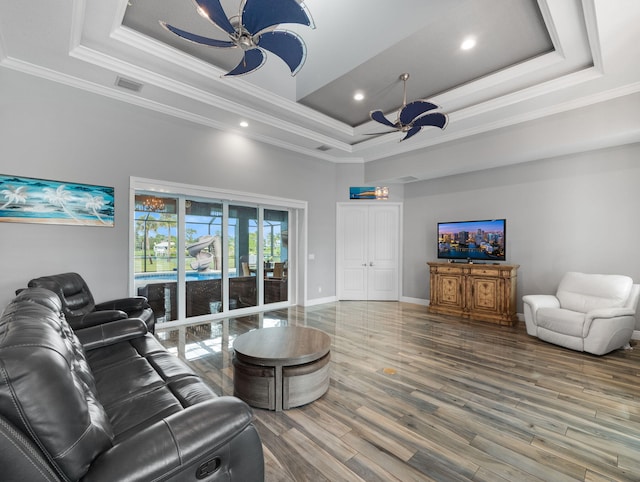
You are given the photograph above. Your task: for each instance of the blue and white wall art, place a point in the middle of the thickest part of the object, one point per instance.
(29, 200)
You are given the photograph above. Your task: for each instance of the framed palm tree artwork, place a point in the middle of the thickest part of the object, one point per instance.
(42, 201)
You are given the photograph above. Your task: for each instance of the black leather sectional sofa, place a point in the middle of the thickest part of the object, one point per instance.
(109, 403)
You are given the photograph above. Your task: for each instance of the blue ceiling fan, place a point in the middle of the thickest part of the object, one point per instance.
(254, 30)
(410, 118)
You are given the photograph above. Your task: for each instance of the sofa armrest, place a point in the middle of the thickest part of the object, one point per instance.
(110, 333)
(184, 442)
(124, 304)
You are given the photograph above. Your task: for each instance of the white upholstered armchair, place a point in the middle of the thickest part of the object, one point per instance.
(589, 312)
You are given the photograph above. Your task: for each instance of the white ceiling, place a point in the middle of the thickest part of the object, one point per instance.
(533, 59)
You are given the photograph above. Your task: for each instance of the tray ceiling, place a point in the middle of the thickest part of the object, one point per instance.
(532, 59)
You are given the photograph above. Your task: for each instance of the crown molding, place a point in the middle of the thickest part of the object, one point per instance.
(215, 75)
(593, 33)
(65, 79)
(143, 75)
(516, 119)
(501, 102)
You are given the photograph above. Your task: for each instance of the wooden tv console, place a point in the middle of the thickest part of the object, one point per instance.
(485, 292)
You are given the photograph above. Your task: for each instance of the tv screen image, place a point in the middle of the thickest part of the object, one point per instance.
(473, 240)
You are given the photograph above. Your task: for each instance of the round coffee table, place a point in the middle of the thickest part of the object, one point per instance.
(281, 367)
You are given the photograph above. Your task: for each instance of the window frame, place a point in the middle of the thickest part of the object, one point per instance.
(297, 238)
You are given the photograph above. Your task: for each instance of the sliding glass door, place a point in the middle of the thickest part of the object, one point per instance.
(155, 254)
(243, 254)
(275, 233)
(204, 263)
(196, 257)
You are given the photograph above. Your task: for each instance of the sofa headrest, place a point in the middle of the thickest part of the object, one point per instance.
(42, 297)
(586, 292)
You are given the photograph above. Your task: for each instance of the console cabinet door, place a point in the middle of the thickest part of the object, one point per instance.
(449, 291)
(485, 295)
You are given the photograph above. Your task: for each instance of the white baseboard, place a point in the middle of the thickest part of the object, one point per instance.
(415, 301)
(320, 301)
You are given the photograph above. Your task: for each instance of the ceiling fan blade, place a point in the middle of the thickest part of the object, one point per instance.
(286, 45)
(411, 132)
(252, 60)
(414, 109)
(378, 133)
(378, 116)
(199, 39)
(435, 119)
(258, 14)
(216, 14)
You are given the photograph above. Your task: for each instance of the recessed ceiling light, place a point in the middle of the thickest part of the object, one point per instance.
(358, 96)
(468, 43)
(244, 124)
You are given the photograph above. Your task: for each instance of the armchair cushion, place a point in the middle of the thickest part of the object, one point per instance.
(562, 321)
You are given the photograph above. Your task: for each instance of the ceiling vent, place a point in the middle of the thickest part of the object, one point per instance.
(128, 84)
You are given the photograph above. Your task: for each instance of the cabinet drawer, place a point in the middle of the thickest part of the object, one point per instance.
(486, 272)
(449, 270)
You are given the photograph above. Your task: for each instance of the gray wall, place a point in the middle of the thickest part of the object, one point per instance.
(577, 212)
(572, 213)
(56, 132)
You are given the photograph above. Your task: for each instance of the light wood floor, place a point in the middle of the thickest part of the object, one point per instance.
(420, 397)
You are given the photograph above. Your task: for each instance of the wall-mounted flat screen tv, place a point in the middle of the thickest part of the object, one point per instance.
(473, 240)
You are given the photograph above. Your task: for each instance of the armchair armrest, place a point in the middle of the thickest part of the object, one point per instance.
(605, 313)
(532, 303)
(124, 304)
(176, 446)
(109, 333)
(98, 318)
(541, 301)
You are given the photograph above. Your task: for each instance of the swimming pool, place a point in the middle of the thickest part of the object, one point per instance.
(142, 279)
(173, 275)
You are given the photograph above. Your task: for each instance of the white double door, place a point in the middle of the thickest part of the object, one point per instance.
(368, 246)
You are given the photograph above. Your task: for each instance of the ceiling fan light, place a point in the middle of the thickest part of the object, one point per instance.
(202, 12)
(246, 42)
